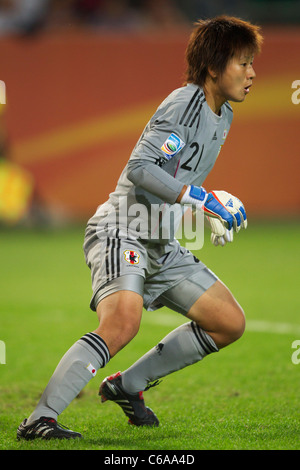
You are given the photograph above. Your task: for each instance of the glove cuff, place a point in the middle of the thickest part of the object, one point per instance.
(194, 195)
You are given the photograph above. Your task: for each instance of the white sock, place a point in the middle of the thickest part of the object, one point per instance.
(76, 368)
(184, 346)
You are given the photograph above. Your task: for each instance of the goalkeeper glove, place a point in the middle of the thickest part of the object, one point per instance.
(219, 234)
(194, 195)
(227, 208)
(224, 212)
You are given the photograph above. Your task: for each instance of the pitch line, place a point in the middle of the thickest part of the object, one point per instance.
(261, 326)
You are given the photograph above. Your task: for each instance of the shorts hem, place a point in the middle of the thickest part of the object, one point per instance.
(155, 304)
(115, 285)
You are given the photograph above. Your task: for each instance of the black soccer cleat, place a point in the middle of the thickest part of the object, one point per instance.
(45, 428)
(133, 405)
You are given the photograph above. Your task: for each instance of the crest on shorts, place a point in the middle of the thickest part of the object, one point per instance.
(131, 256)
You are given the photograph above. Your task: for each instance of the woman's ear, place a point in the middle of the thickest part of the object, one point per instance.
(213, 75)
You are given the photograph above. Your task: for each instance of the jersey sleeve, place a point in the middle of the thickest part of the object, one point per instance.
(164, 137)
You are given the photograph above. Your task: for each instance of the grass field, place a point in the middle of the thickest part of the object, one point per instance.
(244, 397)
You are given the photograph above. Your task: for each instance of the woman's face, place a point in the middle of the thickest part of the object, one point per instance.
(235, 82)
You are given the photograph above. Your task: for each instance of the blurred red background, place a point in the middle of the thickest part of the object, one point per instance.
(77, 103)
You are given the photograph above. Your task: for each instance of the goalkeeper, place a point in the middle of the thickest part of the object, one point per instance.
(176, 151)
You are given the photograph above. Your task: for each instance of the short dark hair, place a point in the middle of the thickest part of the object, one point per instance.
(215, 41)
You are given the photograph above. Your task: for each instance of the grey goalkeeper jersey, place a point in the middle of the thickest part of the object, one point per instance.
(178, 147)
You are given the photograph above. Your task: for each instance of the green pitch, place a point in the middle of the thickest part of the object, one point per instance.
(244, 397)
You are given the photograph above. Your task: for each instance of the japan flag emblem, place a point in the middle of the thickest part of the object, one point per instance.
(91, 369)
(131, 256)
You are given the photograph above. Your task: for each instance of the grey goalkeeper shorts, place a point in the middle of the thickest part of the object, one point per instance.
(164, 275)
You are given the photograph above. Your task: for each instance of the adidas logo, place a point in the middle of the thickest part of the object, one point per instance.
(229, 203)
(126, 406)
(215, 136)
(159, 348)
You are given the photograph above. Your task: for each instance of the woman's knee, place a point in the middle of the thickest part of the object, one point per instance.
(219, 314)
(119, 319)
(237, 325)
(230, 328)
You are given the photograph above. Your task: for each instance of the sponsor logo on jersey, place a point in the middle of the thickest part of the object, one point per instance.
(131, 256)
(172, 145)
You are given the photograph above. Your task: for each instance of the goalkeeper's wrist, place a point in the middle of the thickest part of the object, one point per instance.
(194, 195)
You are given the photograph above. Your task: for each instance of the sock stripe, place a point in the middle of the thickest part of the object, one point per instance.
(196, 333)
(203, 339)
(210, 342)
(94, 347)
(100, 348)
(100, 342)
